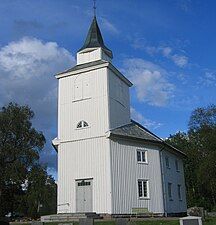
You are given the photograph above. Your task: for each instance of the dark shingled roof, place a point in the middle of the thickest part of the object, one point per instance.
(84, 65)
(94, 38)
(135, 130)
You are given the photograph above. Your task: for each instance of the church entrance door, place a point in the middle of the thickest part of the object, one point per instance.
(84, 195)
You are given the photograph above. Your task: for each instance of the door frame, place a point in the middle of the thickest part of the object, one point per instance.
(83, 179)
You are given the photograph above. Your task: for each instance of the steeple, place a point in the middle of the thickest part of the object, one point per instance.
(94, 39)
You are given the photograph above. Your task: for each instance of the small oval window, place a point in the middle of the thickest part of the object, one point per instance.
(82, 124)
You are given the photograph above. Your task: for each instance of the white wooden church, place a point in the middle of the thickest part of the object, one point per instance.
(108, 163)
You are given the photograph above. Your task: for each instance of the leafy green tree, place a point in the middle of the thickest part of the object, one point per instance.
(200, 165)
(203, 117)
(20, 145)
(41, 192)
(202, 132)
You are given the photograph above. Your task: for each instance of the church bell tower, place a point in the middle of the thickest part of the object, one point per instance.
(93, 98)
(93, 95)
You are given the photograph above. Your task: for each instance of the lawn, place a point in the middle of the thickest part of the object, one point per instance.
(209, 221)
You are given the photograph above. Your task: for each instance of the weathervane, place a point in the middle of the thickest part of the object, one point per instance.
(94, 7)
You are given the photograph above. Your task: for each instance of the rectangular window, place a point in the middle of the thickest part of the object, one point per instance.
(167, 162)
(142, 156)
(177, 165)
(138, 156)
(84, 183)
(140, 189)
(179, 192)
(143, 188)
(170, 191)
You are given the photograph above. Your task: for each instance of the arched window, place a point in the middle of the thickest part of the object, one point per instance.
(82, 124)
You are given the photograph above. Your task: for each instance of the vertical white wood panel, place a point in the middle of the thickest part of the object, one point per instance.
(172, 176)
(85, 159)
(92, 106)
(87, 88)
(92, 54)
(126, 171)
(78, 89)
(119, 101)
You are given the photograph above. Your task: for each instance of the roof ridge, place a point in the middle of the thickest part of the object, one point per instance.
(145, 129)
(121, 126)
(168, 145)
(83, 64)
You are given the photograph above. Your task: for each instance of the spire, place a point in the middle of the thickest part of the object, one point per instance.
(94, 38)
(94, 7)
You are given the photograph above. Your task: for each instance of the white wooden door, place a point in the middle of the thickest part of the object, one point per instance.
(84, 196)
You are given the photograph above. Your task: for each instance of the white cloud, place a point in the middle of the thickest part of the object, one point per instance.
(107, 25)
(180, 60)
(183, 78)
(137, 116)
(30, 57)
(166, 51)
(27, 69)
(208, 79)
(150, 81)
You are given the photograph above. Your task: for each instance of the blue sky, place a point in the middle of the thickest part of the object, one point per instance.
(166, 48)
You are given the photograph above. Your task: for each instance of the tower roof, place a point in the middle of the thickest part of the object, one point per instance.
(94, 38)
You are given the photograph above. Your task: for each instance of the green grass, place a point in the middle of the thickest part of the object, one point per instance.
(104, 223)
(156, 222)
(208, 221)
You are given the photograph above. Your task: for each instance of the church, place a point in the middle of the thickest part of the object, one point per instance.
(108, 163)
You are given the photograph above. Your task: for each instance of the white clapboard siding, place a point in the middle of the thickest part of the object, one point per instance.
(93, 97)
(88, 158)
(90, 55)
(126, 171)
(171, 175)
(92, 107)
(119, 101)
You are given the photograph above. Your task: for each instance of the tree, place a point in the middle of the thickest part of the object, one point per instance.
(203, 117)
(20, 145)
(202, 131)
(200, 165)
(41, 192)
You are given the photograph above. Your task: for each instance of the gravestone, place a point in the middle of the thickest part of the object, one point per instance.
(86, 221)
(191, 220)
(121, 221)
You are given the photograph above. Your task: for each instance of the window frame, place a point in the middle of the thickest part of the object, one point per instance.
(84, 85)
(179, 191)
(177, 165)
(170, 194)
(143, 181)
(83, 123)
(167, 162)
(141, 151)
